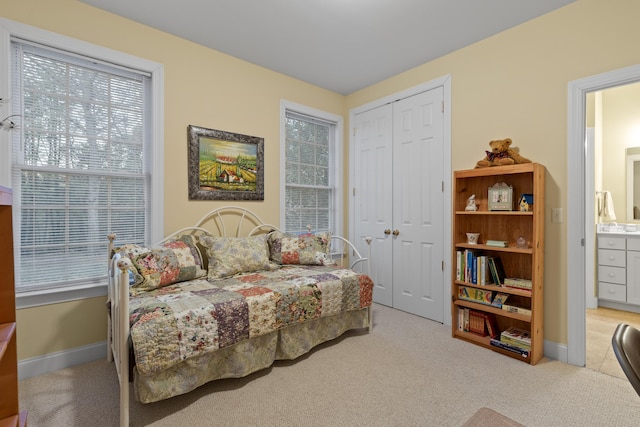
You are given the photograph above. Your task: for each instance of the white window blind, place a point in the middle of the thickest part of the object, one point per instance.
(78, 164)
(309, 163)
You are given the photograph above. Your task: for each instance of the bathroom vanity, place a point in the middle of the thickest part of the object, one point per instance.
(619, 268)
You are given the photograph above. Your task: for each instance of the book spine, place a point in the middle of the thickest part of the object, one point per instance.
(463, 272)
(518, 283)
(499, 270)
(515, 343)
(477, 323)
(492, 325)
(474, 269)
(487, 273)
(485, 277)
(514, 309)
(497, 343)
(492, 270)
(467, 266)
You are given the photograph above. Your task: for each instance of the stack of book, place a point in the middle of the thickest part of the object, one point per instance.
(516, 336)
(515, 340)
(477, 322)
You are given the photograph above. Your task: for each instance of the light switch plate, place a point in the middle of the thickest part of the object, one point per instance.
(556, 215)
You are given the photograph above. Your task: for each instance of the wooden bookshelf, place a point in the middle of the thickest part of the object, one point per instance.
(9, 408)
(521, 262)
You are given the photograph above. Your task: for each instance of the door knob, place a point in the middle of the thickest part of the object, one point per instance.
(396, 232)
(387, 231)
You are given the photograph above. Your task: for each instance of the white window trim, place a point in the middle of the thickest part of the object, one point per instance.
(338, 165)
(10, 29)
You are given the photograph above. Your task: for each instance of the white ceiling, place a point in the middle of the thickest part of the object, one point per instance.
(339, 45)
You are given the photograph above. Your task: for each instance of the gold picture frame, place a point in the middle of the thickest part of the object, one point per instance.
(224, 165)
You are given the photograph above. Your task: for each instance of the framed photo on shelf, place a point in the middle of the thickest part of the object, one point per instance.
(500, 197)
(224, 165)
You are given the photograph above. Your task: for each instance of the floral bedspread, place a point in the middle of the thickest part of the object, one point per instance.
(176, 322)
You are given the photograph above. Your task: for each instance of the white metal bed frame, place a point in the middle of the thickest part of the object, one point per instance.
(118, 289)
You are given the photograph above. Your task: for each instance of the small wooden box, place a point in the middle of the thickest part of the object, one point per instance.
(500, 197)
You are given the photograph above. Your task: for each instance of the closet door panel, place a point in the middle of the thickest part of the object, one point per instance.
(373, 196)
(418, 213)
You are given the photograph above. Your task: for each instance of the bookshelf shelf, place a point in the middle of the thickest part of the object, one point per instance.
(503, 289)
(517, 262)
(512, 249)
(469, 336)
(486, 342)
(497, 213)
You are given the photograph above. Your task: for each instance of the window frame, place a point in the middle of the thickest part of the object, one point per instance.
(11, 29)
(336, 166)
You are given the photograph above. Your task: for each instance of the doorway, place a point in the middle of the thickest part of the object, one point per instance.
(580, 207)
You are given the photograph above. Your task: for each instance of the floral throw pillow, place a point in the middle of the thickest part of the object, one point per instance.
(131, 251)
(174, 261)
(232, 255)
(303, 249)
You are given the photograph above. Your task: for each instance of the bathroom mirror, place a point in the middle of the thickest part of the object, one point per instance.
(633, 184)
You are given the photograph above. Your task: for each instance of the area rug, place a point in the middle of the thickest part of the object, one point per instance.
(485, 417)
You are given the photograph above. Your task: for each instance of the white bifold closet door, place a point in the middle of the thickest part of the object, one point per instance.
(398, 201)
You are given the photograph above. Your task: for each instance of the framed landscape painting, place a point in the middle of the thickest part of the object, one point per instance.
(225, 165)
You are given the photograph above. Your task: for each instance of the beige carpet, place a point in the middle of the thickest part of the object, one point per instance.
(407, 372)
(487, 417)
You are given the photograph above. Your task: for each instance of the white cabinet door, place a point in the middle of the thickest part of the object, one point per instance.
(633, 277)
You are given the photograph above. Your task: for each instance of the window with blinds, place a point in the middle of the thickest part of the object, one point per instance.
(78, 164)
(309, 168)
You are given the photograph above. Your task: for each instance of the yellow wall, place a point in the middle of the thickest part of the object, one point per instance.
(511, 85)
(58, 327)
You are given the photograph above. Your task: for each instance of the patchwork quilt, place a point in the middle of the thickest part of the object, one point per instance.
(176, 322)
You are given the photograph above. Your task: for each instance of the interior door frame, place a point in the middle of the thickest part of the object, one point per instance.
(445, 83)
(580, 232)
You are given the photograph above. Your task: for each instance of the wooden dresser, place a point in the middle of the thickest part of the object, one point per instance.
(10, 414)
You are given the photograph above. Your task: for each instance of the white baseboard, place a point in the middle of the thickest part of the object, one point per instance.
(40, 365)
(554, 350)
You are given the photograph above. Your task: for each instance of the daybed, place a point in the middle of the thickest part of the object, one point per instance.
(204, 304)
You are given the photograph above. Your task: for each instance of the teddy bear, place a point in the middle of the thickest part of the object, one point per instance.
(501, 154)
